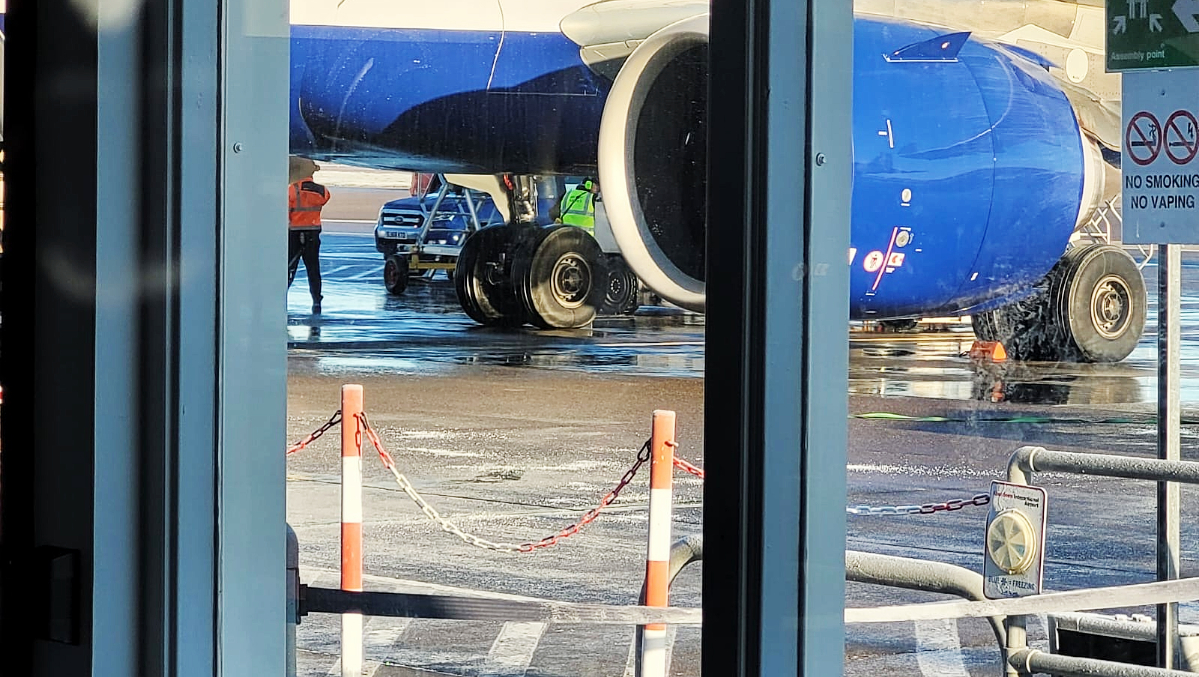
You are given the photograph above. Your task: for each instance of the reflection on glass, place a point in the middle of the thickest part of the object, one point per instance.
(987, 142)
(515, 307)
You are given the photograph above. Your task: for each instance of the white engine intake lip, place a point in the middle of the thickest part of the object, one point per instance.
(617, 139)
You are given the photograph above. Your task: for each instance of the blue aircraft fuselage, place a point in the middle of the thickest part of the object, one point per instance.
(968, 172)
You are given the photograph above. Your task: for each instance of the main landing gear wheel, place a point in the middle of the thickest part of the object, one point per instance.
(621, 293)
(1090, 308)
(482, 280)
(395, 274)
(560, 273)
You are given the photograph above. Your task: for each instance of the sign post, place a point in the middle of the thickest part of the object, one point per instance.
(1159, 168)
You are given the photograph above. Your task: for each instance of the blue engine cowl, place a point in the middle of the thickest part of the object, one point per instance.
(968, 168)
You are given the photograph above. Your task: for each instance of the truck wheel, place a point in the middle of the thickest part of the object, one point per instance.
(482, 282)
(395, 274)
(560, 272)
(1101, 301)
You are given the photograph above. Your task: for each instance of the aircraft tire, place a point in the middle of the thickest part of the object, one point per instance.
(622, 294)
(395, 274)
(984, 326)
(1100, 302)
(487, 300)
(1026, 328)
(560, 272)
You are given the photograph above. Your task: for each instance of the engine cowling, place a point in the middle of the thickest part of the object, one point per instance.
(652, 160)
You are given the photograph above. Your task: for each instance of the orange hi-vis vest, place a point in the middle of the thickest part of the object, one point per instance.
(304, 201)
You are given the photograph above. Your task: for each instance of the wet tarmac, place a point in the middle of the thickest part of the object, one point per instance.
(514, 433)
(424, 330)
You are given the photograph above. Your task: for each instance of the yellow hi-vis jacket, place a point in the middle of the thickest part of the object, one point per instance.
(578, 208)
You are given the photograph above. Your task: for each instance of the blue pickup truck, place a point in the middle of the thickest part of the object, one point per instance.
(397, 228)
(406, 256)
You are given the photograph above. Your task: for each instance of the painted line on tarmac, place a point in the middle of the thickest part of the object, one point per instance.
(330, 273)
(513, 649)
(310, 572)
(630, 666)
(379, 636)
(372, 272)
(939, 649)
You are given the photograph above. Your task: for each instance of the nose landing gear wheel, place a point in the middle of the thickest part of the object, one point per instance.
(560, 274)
(483, 281)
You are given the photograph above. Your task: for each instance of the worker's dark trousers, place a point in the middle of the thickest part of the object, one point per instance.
(305, 244)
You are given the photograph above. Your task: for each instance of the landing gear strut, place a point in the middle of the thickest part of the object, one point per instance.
(1089, 308)
(522, 273)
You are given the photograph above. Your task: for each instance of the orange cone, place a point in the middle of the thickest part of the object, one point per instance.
(992, 351)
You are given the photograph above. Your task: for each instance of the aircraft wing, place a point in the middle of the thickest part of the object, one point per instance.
(608, 31)
(1067, 33)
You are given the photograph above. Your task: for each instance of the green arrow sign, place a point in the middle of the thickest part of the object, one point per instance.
(1147, 34)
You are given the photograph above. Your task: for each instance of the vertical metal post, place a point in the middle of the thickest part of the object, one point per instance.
(1017, 638)
(1169, 304)
(293, 594)
(351, 526)
(774, 579)
(1017, 631)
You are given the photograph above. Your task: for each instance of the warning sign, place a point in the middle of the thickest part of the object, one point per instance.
(1160, 159)
(1181, 145)
(1143, 139)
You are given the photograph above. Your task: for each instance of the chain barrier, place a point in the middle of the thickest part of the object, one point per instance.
(316, 434)
(688, 468)
(925, 509)
(873, 511)
(446, 525)
(643, 457)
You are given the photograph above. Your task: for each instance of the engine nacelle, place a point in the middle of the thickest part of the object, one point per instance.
(652, 160)
(970, 169)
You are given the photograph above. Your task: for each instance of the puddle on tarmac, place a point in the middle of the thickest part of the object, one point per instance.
(424, 331)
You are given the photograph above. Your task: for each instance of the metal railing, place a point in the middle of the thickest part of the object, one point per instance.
(1019, 660)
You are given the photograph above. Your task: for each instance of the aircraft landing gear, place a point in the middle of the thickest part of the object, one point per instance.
(559, 273)
(483, 280)
(622, 296)
(1090, 308)
(522, 273)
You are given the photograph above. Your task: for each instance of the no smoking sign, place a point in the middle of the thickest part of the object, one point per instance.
(1160, 158)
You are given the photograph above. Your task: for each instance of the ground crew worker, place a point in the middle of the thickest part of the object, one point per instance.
(305, 198)
(578, 206)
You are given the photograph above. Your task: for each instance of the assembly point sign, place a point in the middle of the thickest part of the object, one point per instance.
(1146, 34)
(1159, 160)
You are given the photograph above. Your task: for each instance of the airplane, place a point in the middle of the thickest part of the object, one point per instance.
(982, 134)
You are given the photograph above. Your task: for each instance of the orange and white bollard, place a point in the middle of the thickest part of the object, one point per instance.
(657, 559)
(351, 525)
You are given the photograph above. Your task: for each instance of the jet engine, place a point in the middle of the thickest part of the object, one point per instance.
(652, 160)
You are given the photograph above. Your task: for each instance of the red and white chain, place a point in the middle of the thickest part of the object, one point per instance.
(316, 434)
(449, 527)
